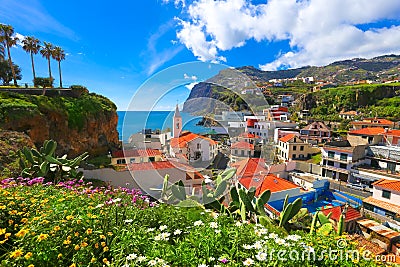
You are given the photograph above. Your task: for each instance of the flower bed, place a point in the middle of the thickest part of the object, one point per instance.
(73, 224)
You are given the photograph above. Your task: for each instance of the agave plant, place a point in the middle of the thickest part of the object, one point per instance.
(44, 163)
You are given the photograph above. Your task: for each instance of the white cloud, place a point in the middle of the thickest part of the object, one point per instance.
(318, 31)
(176, 2)
(188, 77)
(191, 85)
(20, 38)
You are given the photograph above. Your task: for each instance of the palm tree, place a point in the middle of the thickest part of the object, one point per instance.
(6, 37)
(1, 51)
(58, 54)
(31, 45)
(47, 51)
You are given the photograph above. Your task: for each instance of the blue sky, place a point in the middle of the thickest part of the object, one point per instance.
(115, 47)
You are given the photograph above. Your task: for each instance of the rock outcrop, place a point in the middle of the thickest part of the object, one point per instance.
(87, 123)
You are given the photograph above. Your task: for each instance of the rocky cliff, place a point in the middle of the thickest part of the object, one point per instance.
(86, 123)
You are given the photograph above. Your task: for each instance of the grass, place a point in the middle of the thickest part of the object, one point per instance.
(76, 224)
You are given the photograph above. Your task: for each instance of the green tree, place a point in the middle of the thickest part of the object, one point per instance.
(31, 45)
(6, 74)
(59, 54)
(8, 40)
(47, 51)
(2, 51)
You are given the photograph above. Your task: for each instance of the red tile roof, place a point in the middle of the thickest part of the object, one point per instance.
(373, 121)
(243, 145)
(368, 131)
(382, 204)
(393, 133)
(187, 137)
(136, 153)
(250, 167)
(249, 135)
(160, 165)
(269, 182)
(392, 185)
(351, 214)
(287, 137)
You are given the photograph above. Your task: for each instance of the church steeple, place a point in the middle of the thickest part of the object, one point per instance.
(177, 123)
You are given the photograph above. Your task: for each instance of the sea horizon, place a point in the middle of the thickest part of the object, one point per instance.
(131, 122)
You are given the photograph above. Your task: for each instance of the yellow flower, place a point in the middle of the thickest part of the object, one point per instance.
(31, 265)
(84, 244)
(76, 234)
(67, 242)
(10, 222)
(77, 247)
(102, 236)
(105, 249)
(105, 260)
(12, 212)
(57, 228)
(89, 231)
(78, 221)
(24, 220)
(2, 207)
(109, 233)
(93, 260)
(7, 235)
(73, 265)
(4, 241)
(42, 237)
(70, 217)
(103, 244)
(28, 255)
(2, 231)
(96, 245)
(22, 233)
(59, 256)
(17, 253)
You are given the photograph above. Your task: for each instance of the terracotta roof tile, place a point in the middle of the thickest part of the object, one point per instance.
(250, 167)
(373, 121)
(187, 137)
(368, 131)
(268, 182)
(136, 153)
(160, 165)
(287, 137)
(351, 214)
(392, 185)
(249, 135)
(243, 145)
(382, 204)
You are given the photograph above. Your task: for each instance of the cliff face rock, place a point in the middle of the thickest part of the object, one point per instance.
(88, 123)
(10, 143)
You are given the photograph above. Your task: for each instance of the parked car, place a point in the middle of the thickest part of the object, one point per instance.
(361, 187)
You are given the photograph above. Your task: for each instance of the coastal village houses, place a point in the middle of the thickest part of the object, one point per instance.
(291, 147)
(372, 122)
(190, 147)
(316, 133)
(121, 157)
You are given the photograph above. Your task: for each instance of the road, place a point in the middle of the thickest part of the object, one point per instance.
(342, 188)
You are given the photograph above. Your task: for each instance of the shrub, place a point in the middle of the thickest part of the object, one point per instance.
(43, 82)
(78, 90)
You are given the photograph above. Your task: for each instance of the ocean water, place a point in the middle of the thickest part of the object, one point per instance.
(130, 122)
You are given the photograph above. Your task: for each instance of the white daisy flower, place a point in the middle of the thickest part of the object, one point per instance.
(163, 227)
(248, 262)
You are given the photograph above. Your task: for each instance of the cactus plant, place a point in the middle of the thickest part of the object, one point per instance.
(44, 163)
(289, 211)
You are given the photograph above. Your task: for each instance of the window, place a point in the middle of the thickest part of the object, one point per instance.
(132, 160)
(242, 152)
(343, 156)
(331, 154)
(301, 148)
(386, 194)
(236, 152)
(294, 148)
(343, 166)
(121, 161)
(293, 156)
(331, 163)
(198, 146)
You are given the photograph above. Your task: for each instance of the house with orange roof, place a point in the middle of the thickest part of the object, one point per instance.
(351, 217)
(193, 147)
(242, 150)
(372, 122)
(121, 157)
(291, 147)
(250, 167)
(385, 199)
(149, 176)
(371, 135)
(348, 115)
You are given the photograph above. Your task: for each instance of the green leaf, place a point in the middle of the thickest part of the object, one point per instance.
(220, 189)
(44, 168)
(49, 147)
(189, 203)
(242, 211)
(52, 160)
(325, 229)
(234, 194)
(245, 200)
(178, 190)
(28, 154)
(229, 173)
(284, 216)
(265, 196)
(322, 218)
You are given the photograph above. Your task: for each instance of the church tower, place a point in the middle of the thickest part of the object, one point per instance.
(177, 123)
